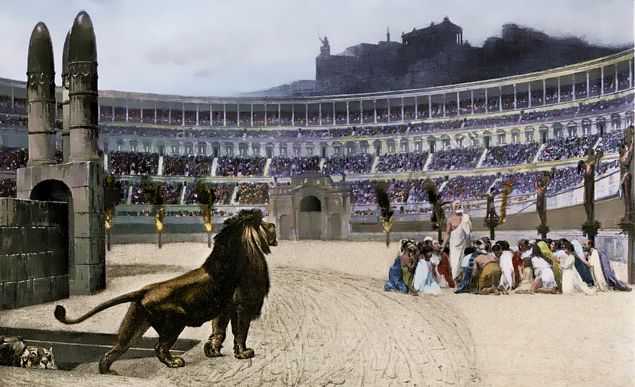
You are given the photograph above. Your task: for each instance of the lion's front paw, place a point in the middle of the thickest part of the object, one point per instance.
(176, 362)
(212, 350)
(248, 353)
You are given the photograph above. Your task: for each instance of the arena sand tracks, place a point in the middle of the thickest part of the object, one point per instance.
(327, 321)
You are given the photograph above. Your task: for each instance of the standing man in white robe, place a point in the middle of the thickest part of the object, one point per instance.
(458, 235)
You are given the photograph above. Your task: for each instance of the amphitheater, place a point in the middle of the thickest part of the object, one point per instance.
(327, 320)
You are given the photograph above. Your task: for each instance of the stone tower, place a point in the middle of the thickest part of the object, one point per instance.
(78, 180)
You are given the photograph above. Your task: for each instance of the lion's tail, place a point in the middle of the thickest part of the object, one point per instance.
(60, 311)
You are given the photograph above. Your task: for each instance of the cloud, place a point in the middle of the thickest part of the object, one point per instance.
(168, 46)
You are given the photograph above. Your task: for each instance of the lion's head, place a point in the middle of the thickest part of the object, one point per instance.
(256, 235)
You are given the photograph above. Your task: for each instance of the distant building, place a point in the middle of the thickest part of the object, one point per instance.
(439, 55)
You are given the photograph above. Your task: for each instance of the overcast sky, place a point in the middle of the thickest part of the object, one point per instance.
(220, 48)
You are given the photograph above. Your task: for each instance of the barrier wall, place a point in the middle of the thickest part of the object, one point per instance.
(33, 252)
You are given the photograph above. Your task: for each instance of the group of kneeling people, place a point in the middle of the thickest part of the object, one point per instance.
(543, 266)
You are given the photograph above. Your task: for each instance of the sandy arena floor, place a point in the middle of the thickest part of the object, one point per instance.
(328, 321)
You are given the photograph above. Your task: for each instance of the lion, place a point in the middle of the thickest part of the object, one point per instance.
(222, 287)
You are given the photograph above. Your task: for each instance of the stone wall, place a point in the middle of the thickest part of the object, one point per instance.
(33, 252)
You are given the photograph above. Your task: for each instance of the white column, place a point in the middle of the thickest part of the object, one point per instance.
(361, 112)
(375, 111)
(306, 115)
(630, 72)
(458, 104)
(292, 114)
(615, 78)
(238, 115)
(416, 107)
(515, 99)
(279, 114)
(573, 86)
(225, 114)
(500, 99)
(333, 113)
(388, 111)
(602, 80)
(429, 106)
(252, 114)
(183, 114)
(402, 109)
(155, 112)
(472, 101)
(529, 94)
(197, 114)
(320, 113)
(265, 114)
(544, 92)
(587, 84)
(486, 102)
(348, 116)
(558, 89)
(127, 102)
(211, 115)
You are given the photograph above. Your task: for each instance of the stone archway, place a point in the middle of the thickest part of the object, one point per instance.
(57, 191)
(310, 218)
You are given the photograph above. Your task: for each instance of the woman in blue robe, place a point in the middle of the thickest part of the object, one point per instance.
(581, 264)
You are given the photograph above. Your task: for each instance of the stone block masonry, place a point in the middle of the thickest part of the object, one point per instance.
(33, 252)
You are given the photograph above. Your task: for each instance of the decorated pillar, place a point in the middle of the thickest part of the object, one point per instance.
(41, 97)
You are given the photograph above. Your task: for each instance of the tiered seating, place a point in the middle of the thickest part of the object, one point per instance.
(252, 193)
(455, 159)
(567, 148)
(401, 162)
(133, 163)
(291, 166)
(348, 164)
(240, 166)
(508, 155)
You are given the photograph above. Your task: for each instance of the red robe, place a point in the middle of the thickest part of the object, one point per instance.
(517, 262)
(445, 270)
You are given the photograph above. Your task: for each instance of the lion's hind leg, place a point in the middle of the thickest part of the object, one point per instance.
(240, 327)
(168, 334)
(133, 326)
(219, 332)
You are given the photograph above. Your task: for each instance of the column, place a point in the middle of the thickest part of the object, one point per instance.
(225, 115)
(486, 102)
(265, 114)
(334, 114)
(444, 105)
(375, 111)
(500, 98)
(320, 113)
(544, 92)
(429, 106)
(169, 115)
(630, 72)
(279, 114)
(472, 101)
(416, 107)
(306, 114)
(237, 115)
(211, 115)
(293, 114)
(182, 113)
(587, 84)
(515, 99)
(155, 112)
(615, 78)
(558, 89)
(127, 103)
(361, 112)
(141, 113)
(529, 94)
(197, 115)
(458, 104)
(12, 99)
(402, 109)
(573, 86)
(602, 80)
(388, 111)
(252, 114)
(348, 116)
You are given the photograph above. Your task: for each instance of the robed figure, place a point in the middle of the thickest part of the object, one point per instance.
(588, 168)
(541, 196)
(626, 175)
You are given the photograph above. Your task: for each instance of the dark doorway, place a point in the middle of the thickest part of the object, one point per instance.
(310, 218)
(56, 191)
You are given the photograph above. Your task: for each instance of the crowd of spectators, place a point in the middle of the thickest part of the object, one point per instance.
(7, 120)
(133, 163)
(358, 163)
(610, 141)
(197, 166)
(252, 193)
(512, 154)
(467, 187)
(13, 158)
(567, 148)
(291, 166)
(454, 159)
(172, 193)
(222, 191)
(7, 188)
(401, 162)
(240, 166)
